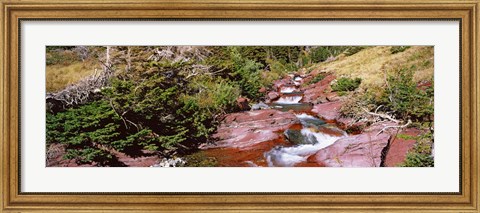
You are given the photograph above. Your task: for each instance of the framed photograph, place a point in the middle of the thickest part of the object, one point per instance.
(162, 106)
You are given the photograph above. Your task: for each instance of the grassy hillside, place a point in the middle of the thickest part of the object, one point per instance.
(59, 76)
(371, 64)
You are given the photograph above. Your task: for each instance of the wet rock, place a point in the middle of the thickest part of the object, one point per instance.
(260, 106)
(242, 103)
(287, 81)
(296, 137)
(273, 95)
(244, 130)
(362, 150)
(328, 111)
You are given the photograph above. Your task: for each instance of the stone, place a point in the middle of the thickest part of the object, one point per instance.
(399, 147)
(259, 106)
(273, 95)
(318, 91)
(367, 149)
(246, 129)
(328, 111)
(262, 90)
(242, 103)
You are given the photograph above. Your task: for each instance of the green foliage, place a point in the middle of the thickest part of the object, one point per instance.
(322, 53)
(88, 155)
(151, 106)
(247, 74)
(199, 159)
(346, 84)
(214, 95)
(165, 104)
(317, 79)
(418, 160)
(404, 98)
(421, 154)
(353, 50)
(85, 131)
(65, 57)
(398, 49)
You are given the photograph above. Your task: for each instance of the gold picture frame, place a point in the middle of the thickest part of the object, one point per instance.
(13, 11)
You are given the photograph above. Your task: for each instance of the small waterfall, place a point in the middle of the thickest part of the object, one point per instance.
(289, 156)
(313, 140)
(287, 89)
(289, 100)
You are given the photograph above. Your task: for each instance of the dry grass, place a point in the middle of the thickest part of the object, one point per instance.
(371, 64)
(59, 76)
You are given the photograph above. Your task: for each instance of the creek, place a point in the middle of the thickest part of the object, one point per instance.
(296, 144)
(313, 134)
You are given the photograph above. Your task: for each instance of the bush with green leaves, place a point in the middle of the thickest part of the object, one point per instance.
(247, 73)
(421, 154)
(405, 99)
(345, 84)
(87, 131)
(317, 79)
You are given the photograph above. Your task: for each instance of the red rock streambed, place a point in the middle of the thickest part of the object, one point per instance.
(286, 135)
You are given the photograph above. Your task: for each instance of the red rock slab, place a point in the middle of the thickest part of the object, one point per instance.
(325, 81)
(330, 111)
(399, 147)
(246, 129)
(235, 157)
(363, 150)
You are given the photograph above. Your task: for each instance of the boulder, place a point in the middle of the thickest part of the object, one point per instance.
(246, 129)
(242, 103)
(296, 137)
(259, 106)
(332, 96)
(273, 95)
(262, 90)
(330, 111)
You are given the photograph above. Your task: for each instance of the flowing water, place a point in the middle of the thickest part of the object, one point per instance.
(313, 135)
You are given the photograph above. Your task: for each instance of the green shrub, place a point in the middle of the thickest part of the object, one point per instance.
(199, 159)
(346, 84)
(215, 95)
(418, 160)
(404, 98)
(398, 49)
(353, 50)
(317, 79)
(247, 74)
(421, 154)
(85, 130)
